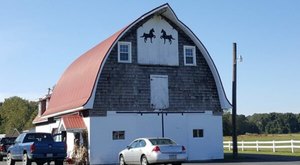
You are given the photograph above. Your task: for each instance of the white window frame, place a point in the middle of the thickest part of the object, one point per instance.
(198, 134)
(116, 135)
(129, 52)
(194, 55)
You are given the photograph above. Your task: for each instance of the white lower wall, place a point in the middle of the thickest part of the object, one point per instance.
(70, 143)
(180, 129)
(47, 128)
(104, 150)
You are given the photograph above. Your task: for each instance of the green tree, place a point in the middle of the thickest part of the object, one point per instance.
(291, 122)
(276, 123)
(1, 119)
(298, 117)
(17, 113)
(260, 120)
(243, 125)
(227, 126)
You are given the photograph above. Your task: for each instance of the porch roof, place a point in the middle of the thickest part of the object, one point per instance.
(73, 123)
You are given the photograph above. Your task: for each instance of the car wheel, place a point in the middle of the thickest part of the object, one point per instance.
(122, 160)
(9, 159)
(39, 163)
(1, 158)
(59, 162)
(176, 163)
(26, 160)
(144, 160)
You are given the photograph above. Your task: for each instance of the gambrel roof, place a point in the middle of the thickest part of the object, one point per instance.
(76, 88)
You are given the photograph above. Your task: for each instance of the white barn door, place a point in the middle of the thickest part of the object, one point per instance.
(159, 91)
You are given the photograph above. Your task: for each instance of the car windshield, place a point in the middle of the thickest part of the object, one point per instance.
(161, 141)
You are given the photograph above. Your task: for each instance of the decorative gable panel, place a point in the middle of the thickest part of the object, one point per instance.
(157, 43)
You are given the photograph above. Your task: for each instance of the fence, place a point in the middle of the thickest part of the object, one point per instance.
(257, 145)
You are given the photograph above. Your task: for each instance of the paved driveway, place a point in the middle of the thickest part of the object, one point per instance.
(231, 163)
(248, 163)
(255, 159)
(245, 159)
(220, 163)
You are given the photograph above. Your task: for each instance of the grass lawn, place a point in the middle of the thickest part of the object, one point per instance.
(267, 137)
(266, 153)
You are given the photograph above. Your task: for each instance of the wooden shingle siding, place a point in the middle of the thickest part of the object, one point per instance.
(126, 86)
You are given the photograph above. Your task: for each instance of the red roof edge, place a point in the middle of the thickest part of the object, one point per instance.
(39, 119)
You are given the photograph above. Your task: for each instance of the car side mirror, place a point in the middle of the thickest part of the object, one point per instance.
(128, 147)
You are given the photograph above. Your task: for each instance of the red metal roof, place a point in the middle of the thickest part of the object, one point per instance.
(39, 119)
(73, 122)
(75, 86)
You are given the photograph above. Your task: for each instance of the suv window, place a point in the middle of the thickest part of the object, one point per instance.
(8, 140)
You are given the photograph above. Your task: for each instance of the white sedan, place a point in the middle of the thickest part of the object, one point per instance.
(146, 151)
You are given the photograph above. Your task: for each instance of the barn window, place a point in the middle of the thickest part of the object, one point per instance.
(197, 133)
(189, 55)
(124, 52)
(118, 135)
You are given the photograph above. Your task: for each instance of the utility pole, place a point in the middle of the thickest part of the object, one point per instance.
(162, 124)
(234, 134)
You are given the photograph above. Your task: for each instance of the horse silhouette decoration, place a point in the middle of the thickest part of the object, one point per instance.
(148, 35)
(166, 37)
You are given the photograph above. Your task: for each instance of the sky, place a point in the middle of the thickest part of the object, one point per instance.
(40, 39)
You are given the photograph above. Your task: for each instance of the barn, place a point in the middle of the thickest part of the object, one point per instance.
(152, 78)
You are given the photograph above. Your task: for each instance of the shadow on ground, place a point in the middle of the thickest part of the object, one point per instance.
(256, 158)
(242, 158)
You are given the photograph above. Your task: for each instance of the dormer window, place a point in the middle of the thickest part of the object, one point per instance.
(124, 52)
(43, 104)
(189, 55)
